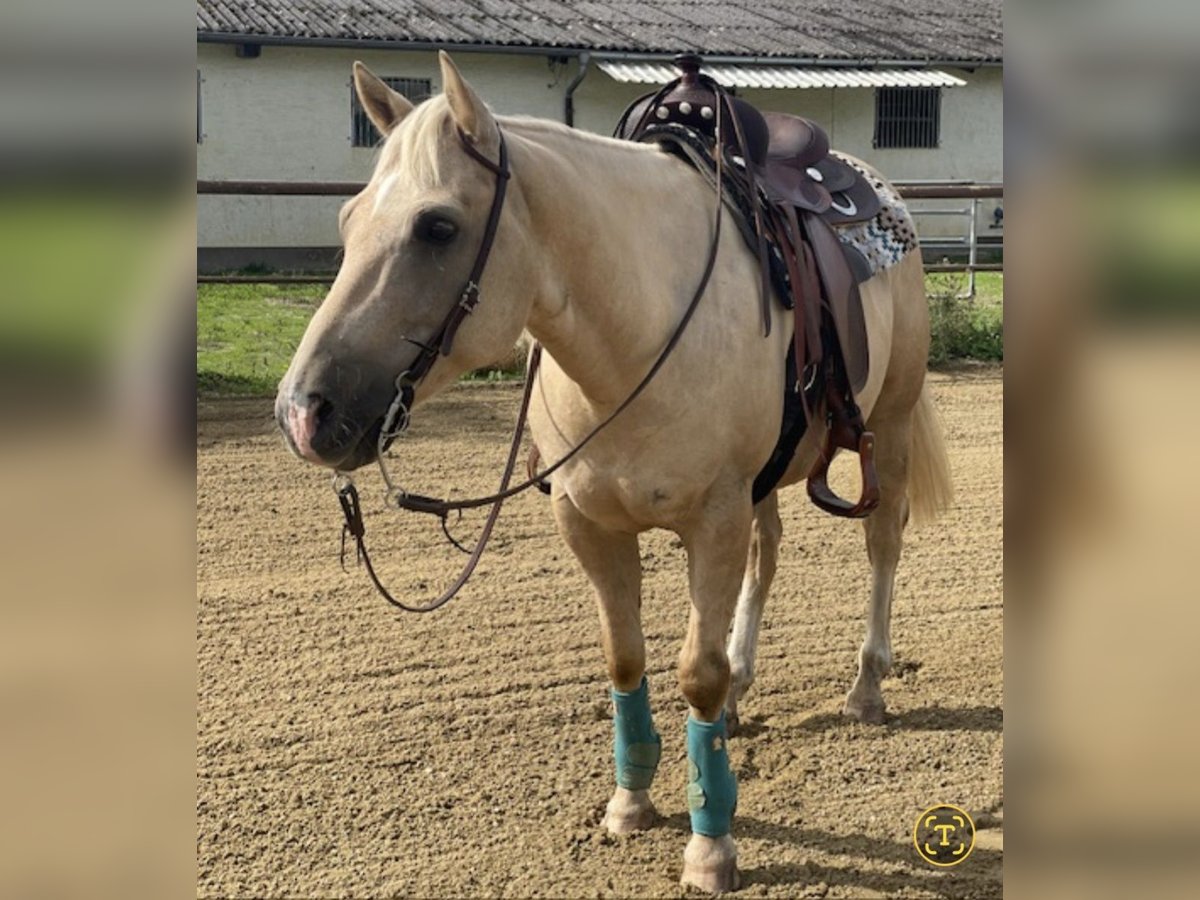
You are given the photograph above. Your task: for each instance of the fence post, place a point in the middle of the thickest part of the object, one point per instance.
(972, 250)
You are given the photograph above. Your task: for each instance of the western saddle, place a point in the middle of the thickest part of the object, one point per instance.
(787, 193)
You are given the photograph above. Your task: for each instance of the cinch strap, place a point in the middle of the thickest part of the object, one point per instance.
(712, 787)
(636, 745)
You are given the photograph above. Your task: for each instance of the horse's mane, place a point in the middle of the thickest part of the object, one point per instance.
(533, 125)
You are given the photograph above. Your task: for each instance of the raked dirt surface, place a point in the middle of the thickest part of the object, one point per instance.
(349, 750)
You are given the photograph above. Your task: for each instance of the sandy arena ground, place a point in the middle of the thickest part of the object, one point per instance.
(349, 750)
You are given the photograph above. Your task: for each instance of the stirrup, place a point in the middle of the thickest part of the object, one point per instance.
(818, 485)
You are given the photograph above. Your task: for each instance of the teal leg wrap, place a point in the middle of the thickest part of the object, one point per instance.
(712, 787)
(636, 745)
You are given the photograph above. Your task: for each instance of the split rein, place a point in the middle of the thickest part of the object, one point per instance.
(397, 418)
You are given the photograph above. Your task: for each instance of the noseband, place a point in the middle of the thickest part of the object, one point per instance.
(397, 418)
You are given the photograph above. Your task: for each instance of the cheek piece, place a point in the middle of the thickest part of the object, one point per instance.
(712, 787)
(636, 745)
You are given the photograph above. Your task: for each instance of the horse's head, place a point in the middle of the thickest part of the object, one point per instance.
(411, 238)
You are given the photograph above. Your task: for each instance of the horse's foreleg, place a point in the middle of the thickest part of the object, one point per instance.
(716, 557)
(612, 563)
(884, 532)
(756, 582)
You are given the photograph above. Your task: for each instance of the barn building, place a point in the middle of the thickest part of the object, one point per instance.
(914, 89)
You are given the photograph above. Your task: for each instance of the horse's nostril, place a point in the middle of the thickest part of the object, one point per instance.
(320, 409)
(324, 431)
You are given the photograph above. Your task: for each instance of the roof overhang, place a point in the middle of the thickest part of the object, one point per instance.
(564, 51)
(783, 76)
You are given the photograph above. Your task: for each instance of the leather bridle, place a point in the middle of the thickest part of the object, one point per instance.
(397, 417)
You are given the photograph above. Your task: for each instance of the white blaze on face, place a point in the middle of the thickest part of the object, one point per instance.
(385, 188)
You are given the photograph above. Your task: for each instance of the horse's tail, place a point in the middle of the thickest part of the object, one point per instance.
(930, 490)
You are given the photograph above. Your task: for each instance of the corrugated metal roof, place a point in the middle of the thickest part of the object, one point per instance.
(786, 76)
(917, 30)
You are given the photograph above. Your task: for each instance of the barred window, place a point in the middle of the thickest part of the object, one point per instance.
(362, 132)
(908, 117)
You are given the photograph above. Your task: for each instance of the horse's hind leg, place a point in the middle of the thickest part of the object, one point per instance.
(612, 563)
(747, 618)
(884, 531)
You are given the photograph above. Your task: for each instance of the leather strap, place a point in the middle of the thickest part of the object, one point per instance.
(810, 349)
(470, 295)
(356, 528)
(443, 341)
(803, 299)
(743, 149)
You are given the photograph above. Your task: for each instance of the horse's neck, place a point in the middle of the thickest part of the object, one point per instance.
(623, 256)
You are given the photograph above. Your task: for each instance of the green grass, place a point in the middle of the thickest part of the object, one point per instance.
(963, 329)
(989, 286)
(77, 267)
(246, 333)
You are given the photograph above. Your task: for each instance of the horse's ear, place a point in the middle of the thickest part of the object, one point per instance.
(385, 107)
(469, 112)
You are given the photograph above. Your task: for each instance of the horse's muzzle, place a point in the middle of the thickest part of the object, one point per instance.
(319, 432)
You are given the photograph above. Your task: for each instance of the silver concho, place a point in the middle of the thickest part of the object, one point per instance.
(685, 108)
(848, 209)
(706, 112)
(662, 112)
(815, 174)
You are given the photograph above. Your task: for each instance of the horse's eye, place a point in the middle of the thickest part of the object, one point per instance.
(436, 229)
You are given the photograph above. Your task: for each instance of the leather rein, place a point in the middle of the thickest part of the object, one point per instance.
(398, 415)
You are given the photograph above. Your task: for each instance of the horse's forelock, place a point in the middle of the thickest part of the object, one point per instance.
(414, 150)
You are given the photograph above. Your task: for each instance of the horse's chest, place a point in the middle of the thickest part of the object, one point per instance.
(649, 469)
(629, 501)
(633, 498)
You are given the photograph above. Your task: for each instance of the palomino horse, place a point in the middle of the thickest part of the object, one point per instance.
(598, 250)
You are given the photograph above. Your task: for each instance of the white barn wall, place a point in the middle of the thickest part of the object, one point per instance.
(286, 116)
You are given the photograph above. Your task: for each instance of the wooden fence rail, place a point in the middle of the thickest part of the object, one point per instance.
(910, 191)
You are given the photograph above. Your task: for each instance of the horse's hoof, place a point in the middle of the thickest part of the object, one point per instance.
(869, 712)
(710, 864)
(629, 811)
